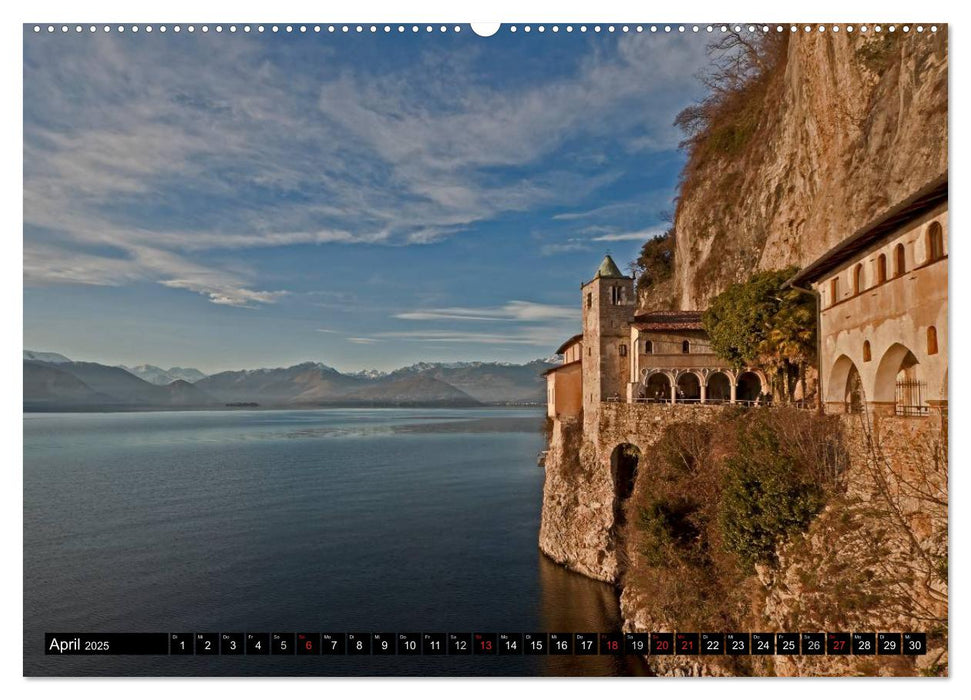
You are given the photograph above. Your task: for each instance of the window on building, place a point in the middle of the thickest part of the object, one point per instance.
(589, 299)
(866, 350)
(648, 347)
(881, 269)
(685, 346)
(857, 279)
(935, 242)
(834, 290)
(616, 295)
(899, 260)
(931, 340)
(623, 350)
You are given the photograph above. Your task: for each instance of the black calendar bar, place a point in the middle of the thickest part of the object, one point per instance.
(485, 644)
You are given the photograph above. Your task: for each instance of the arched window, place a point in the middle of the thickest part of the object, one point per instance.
(589, 299)
(685, 347)
(834, 290)
(931, 340)
(935, 242)
(899, 260)
(881, 269)
(623, 350)
(866, 350)
(857, 279)
(648, 347)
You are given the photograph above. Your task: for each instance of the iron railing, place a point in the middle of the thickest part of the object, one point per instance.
(909, 399)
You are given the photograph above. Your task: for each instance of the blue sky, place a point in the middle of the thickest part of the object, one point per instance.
(226, 201)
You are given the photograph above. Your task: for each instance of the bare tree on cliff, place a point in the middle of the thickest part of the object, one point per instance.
(737, 76)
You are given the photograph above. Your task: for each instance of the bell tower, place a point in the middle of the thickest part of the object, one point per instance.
(608, 307)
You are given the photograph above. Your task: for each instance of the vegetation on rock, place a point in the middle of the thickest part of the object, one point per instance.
(691, 545)
(655, 263)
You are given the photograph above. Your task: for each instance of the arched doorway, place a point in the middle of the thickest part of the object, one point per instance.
(689, 387)
(719, 388)
(658, 387)
(623, 472)
(898, 382)
(748, 387)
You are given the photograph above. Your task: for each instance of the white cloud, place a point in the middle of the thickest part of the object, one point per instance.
(363, 341)
(644, 235)
(512, 311)
(153, 150)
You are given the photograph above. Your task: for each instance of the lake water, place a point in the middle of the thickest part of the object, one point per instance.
(298, 521)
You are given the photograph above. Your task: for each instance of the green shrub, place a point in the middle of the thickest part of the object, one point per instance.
(668, 530)
(766, 497)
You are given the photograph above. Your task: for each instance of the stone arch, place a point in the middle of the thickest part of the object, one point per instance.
(658, 386)
(881, 268)
(897, 364)
(866, 351)
(624, 460)
(839, 375)
(748, 386)
(719, 389)
(931, 340)
(858, 279)
(689, 387)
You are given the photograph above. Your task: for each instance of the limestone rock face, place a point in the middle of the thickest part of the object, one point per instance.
(843, 137)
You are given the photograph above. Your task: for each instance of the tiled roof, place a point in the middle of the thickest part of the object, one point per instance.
(560, 350)
(559, 367)
(669, 321)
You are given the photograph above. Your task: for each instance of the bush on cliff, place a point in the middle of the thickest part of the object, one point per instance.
(717, 498)
(767, 495)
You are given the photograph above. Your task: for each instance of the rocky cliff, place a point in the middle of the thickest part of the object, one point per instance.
(848, 124)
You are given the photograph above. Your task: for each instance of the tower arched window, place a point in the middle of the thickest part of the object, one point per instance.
(648, 347)
(866, 351)
(685, 346)
(931, 340)
(834, 290)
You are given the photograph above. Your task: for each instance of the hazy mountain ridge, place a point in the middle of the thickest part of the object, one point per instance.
(161, 377)
(52, 357)
(67, 385)
(91, 386)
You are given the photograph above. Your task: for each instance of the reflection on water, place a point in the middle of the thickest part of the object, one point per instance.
(570, 602)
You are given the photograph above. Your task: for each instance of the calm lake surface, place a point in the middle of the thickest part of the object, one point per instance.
(298, 521)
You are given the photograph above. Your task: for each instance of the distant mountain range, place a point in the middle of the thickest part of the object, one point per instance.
(161, 377)
(53, 382)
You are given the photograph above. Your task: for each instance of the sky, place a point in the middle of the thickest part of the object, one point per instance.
(228, 201)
